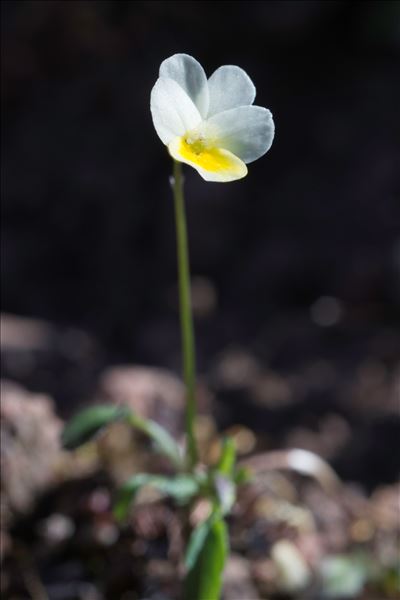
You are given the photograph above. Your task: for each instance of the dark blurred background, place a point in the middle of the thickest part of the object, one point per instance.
(296, 268)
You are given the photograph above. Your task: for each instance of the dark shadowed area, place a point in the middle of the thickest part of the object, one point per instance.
(296, 268)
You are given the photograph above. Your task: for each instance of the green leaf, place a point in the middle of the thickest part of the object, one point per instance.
(196, 543)
(86, 424)
(242, 475)
(208, 547)
(181, 488)
(164, 442)
(223, 476)
(227, 460)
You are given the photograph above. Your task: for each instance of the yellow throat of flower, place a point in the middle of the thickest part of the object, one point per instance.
(203, 154)
(196, 145)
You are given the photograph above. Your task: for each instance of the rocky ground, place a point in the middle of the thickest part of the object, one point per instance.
(292, 536)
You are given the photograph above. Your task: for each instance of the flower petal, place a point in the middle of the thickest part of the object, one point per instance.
(229, 87)
(246, 131)
(172, 110)
(190, 75)
(213, 164)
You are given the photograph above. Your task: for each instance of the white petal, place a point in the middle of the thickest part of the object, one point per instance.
(216, 164)
(190, 75)
(229, 87)
(172, 110)
(246, 131)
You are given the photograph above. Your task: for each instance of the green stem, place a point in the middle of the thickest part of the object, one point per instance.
(185, 309)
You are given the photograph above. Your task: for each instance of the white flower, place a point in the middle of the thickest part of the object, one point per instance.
(211, 124)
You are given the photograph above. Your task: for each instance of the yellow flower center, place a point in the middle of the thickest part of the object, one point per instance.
(200, 152)
(203, 152)
(195, 144)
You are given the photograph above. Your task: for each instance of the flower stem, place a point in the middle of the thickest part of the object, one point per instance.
(185, 310)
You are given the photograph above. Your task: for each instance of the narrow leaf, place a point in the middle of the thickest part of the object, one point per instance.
(86, 424)
(196, 543)
(242, 475)
(181, 488)
(227, 460)
(204, 579)
(223, 476)
(164, 442)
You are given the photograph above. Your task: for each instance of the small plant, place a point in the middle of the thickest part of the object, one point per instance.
(213, 126)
